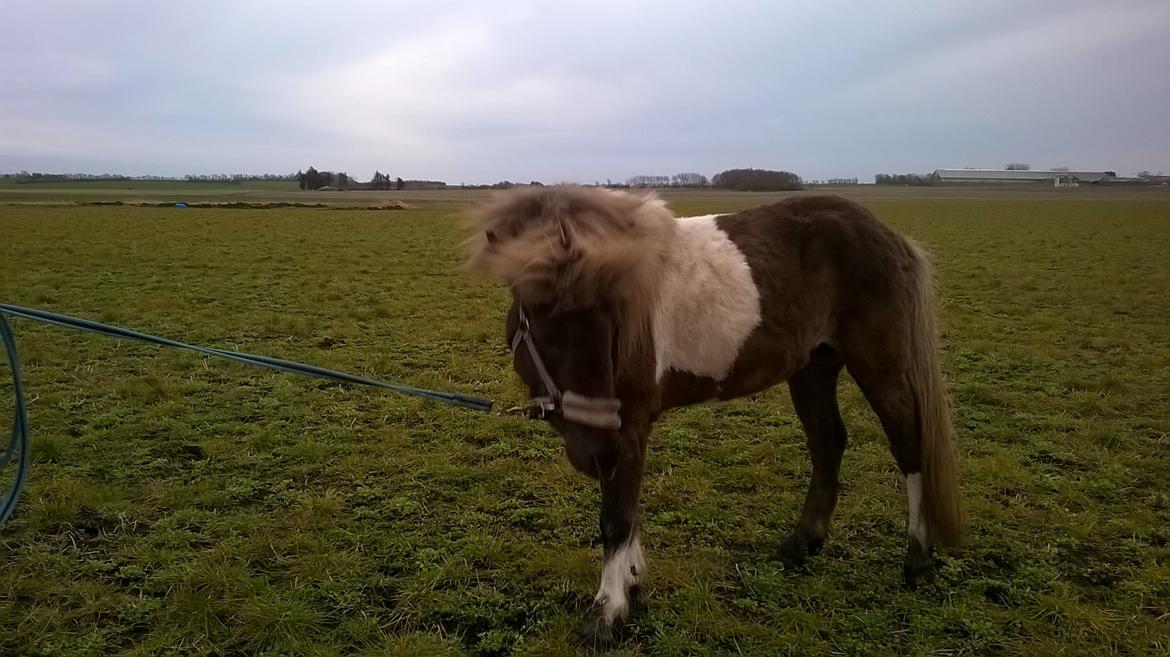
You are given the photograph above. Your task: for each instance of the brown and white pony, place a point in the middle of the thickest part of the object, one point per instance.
(622, 311)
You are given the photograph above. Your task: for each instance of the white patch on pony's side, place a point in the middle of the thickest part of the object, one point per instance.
(623, 570)
(708, 303)
(917, 525)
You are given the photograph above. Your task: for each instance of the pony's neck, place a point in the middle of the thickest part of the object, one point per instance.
(708, 303)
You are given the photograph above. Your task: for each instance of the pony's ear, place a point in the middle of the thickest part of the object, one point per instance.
(566, 240)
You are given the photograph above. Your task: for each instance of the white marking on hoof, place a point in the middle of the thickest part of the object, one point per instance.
(623, 570)
(917, 525)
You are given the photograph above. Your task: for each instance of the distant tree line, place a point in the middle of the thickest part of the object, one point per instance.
(383, 181)
(917, 179)
(753, 180)
(648, 181)
(37, 177)
(685, 180)
(831, 181)
(314, 179)
(734, 179)
(756, 180)
(236, 177)
(503, 184)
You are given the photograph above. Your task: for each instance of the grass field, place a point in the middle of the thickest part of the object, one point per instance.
(183, 506)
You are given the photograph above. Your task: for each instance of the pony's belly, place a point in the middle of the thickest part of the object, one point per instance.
(751, 374)
(740, 387)
(683, 389)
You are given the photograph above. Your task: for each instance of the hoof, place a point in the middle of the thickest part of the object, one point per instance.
(918, 570)
(795, 549)
(597, 632)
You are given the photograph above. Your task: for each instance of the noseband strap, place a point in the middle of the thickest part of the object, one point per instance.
(600, 413)
(591, 411)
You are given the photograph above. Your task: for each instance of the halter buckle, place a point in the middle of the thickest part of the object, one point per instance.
(542, 407)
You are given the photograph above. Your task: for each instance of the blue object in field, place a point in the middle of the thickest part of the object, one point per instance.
(180, 205)
(18, 444)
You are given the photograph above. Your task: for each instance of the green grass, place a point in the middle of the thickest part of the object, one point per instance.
(184, 506)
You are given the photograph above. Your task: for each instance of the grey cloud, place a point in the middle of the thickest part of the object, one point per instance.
(582, 91)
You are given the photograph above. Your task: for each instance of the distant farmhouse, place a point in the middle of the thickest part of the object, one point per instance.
(1010, 176)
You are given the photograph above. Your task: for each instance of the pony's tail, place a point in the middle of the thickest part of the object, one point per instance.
(941, 501)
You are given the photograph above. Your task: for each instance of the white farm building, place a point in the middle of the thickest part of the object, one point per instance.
(1009, 176)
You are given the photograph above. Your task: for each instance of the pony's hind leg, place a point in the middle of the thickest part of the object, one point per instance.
(889, 393)
(814, 396)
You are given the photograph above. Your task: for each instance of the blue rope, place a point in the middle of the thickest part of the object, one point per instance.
(18, 443)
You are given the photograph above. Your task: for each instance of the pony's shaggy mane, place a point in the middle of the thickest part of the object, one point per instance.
(575, 247)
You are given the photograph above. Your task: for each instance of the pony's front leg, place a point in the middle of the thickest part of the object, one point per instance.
(624, 567)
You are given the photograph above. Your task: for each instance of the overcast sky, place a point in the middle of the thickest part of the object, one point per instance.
(485, 91)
